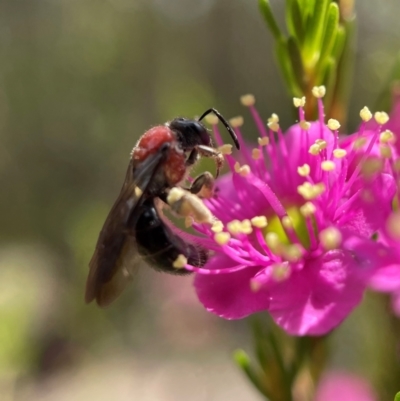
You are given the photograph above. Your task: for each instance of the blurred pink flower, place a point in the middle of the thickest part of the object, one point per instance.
(295, 222)
(344, 387)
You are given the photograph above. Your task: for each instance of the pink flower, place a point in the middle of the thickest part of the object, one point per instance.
(295, 221)
(344, 387)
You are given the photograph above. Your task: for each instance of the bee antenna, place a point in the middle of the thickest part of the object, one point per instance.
(226, 124)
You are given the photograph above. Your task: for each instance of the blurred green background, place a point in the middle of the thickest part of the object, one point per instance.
(80, 81)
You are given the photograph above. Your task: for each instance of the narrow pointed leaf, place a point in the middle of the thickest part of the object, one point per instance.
(266, 11)
(296, 62)
(243, 361)
(294, 20)
(331, 27)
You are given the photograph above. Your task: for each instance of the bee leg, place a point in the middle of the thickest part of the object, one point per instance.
(207, 151)
(193, 157)
(203, 185)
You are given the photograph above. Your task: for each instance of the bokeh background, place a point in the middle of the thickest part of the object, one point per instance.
(80, 81)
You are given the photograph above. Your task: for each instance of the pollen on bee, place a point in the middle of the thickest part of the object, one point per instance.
(225, 149)
(299, 101)
(187, 204)
(304, 125)
(248, 100)
(263, 141)
(222, 238)
(333, 124)
(339, 153)
(259, 221)
(303, 170)
(138, 192)
(189, 221)
(365, 114)
(328, 165)
(180, 262)
(330, 238)
(319, 91)
(236, 122)
(381, 117)
(256, 154)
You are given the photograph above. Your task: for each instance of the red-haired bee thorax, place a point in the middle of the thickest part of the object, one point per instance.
(151, 141)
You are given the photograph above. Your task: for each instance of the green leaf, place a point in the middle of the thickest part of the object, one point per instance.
(397, 397)
(331, 28)
(315, 29)
(266, 11)
(296, 62)
(284, 61)
(243, 361)
(294, 20)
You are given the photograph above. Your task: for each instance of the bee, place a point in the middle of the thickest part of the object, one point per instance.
(134, 229)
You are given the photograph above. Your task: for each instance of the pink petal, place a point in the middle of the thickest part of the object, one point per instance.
(314, 300)
(344, 387)
(229, 295)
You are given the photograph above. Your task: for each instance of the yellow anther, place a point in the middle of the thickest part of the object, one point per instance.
(309, 192)
(333, 124)
(314, 149)
(273, 242)
(274, 118)
(303, 170)
(236, 122)
(138, 192)
(280, 271)
(273, 126)
(255, 286)
(292, 252)
(222, 238)
(211, 119)
(330, 238)
(237, 167)
(359, 143)
(328, 165)
(385, 151)
(248, 100)
(180, 262)
(319, 188)
(319, 91)
(245, 170)
(256, 154)
(264, 141)
(396, 165)
(287, 222)
(321, 143)
(365, 114)
(387, 136)
(246, 227)
(304, 125)
(339, 153)
(393, 225)
(299, 101)
(371, 167)
(308, 209)
(259, 221)
(217, 226)
(234, 227)
(225, 149)
(381, 117)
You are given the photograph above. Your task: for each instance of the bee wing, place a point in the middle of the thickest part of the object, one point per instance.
(115, 256)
